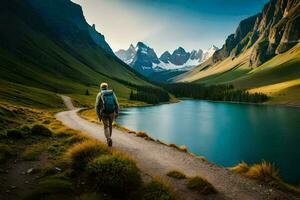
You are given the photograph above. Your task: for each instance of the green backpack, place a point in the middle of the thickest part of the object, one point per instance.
(108, 100)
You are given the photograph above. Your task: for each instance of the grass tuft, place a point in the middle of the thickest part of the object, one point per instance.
(82, 153)
(240, 168)
(176, 174)
(158, 190)
(202, 158)
(201, 185)
(183, 148)
(114, 173)
(142, 134)
(264, 171)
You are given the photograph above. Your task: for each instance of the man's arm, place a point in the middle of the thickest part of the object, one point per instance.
(98, 105)
(116, 104)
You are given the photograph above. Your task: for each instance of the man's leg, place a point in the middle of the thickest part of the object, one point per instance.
(111, 120)
(106, 123)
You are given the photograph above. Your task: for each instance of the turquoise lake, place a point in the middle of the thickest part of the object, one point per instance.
(225, 133)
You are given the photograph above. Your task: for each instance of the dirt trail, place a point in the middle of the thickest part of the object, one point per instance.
(155, 159)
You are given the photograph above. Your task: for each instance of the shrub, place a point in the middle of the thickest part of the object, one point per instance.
(176, 174)
(240, 168)
(15, 134)
(201, 185)
(52, 188)
(5, 153)
(264, 172)
(115, 173)
(82, 153)
(157, 190)
(40, 130)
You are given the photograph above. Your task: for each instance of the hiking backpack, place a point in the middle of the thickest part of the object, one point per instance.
(108, 100)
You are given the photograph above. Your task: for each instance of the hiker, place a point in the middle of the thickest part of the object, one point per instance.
(107, 109)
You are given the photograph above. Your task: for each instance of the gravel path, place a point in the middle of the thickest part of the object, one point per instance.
(155, 159)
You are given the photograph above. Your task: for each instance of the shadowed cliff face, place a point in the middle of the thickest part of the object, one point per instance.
(65, 19)
(273, 31)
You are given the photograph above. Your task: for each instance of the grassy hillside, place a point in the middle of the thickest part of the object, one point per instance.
(35, 61)
(276, 77)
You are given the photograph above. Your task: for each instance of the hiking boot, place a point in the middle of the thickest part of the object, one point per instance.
(109, 142)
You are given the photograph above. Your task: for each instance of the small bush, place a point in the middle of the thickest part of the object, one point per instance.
(240, 168)
(264, 171)
(157, 190)
(40, 130)
(82, 153)
(115, 173)
(5, 153)
(176, 174)
(201, 185)
(15, 134)
(52, 188)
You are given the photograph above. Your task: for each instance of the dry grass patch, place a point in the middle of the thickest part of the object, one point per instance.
(265, 172)
(176, 174)
(202, 158)
(201, 185)
(142, 134)
(183, 148)
(240, 168)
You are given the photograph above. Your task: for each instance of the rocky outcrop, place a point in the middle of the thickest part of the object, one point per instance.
(273, 31)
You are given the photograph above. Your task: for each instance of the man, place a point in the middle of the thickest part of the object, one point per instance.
(107, 109)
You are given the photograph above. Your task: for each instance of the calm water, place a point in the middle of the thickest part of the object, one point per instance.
(225, 133)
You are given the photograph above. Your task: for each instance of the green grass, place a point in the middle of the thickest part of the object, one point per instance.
(158, 190)
(81, 154)
(176, 174)
(5, 152)
(201, 185)
(111, 173)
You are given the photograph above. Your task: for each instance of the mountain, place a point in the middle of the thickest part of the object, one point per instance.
(48, 45)
(144, 59)
(209, 53)
(127, 55)
(264, 50)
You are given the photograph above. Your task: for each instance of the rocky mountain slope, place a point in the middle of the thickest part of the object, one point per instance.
(263, 50)
(144, 59)
(49, 45)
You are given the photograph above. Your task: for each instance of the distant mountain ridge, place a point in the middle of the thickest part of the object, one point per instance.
(143, 59)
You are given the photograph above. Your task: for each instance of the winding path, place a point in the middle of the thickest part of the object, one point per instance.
(155, 159)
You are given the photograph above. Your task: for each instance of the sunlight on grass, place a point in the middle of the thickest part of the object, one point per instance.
(201, 185)
(176, 174)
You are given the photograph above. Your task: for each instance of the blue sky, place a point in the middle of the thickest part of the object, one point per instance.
(168, 24)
